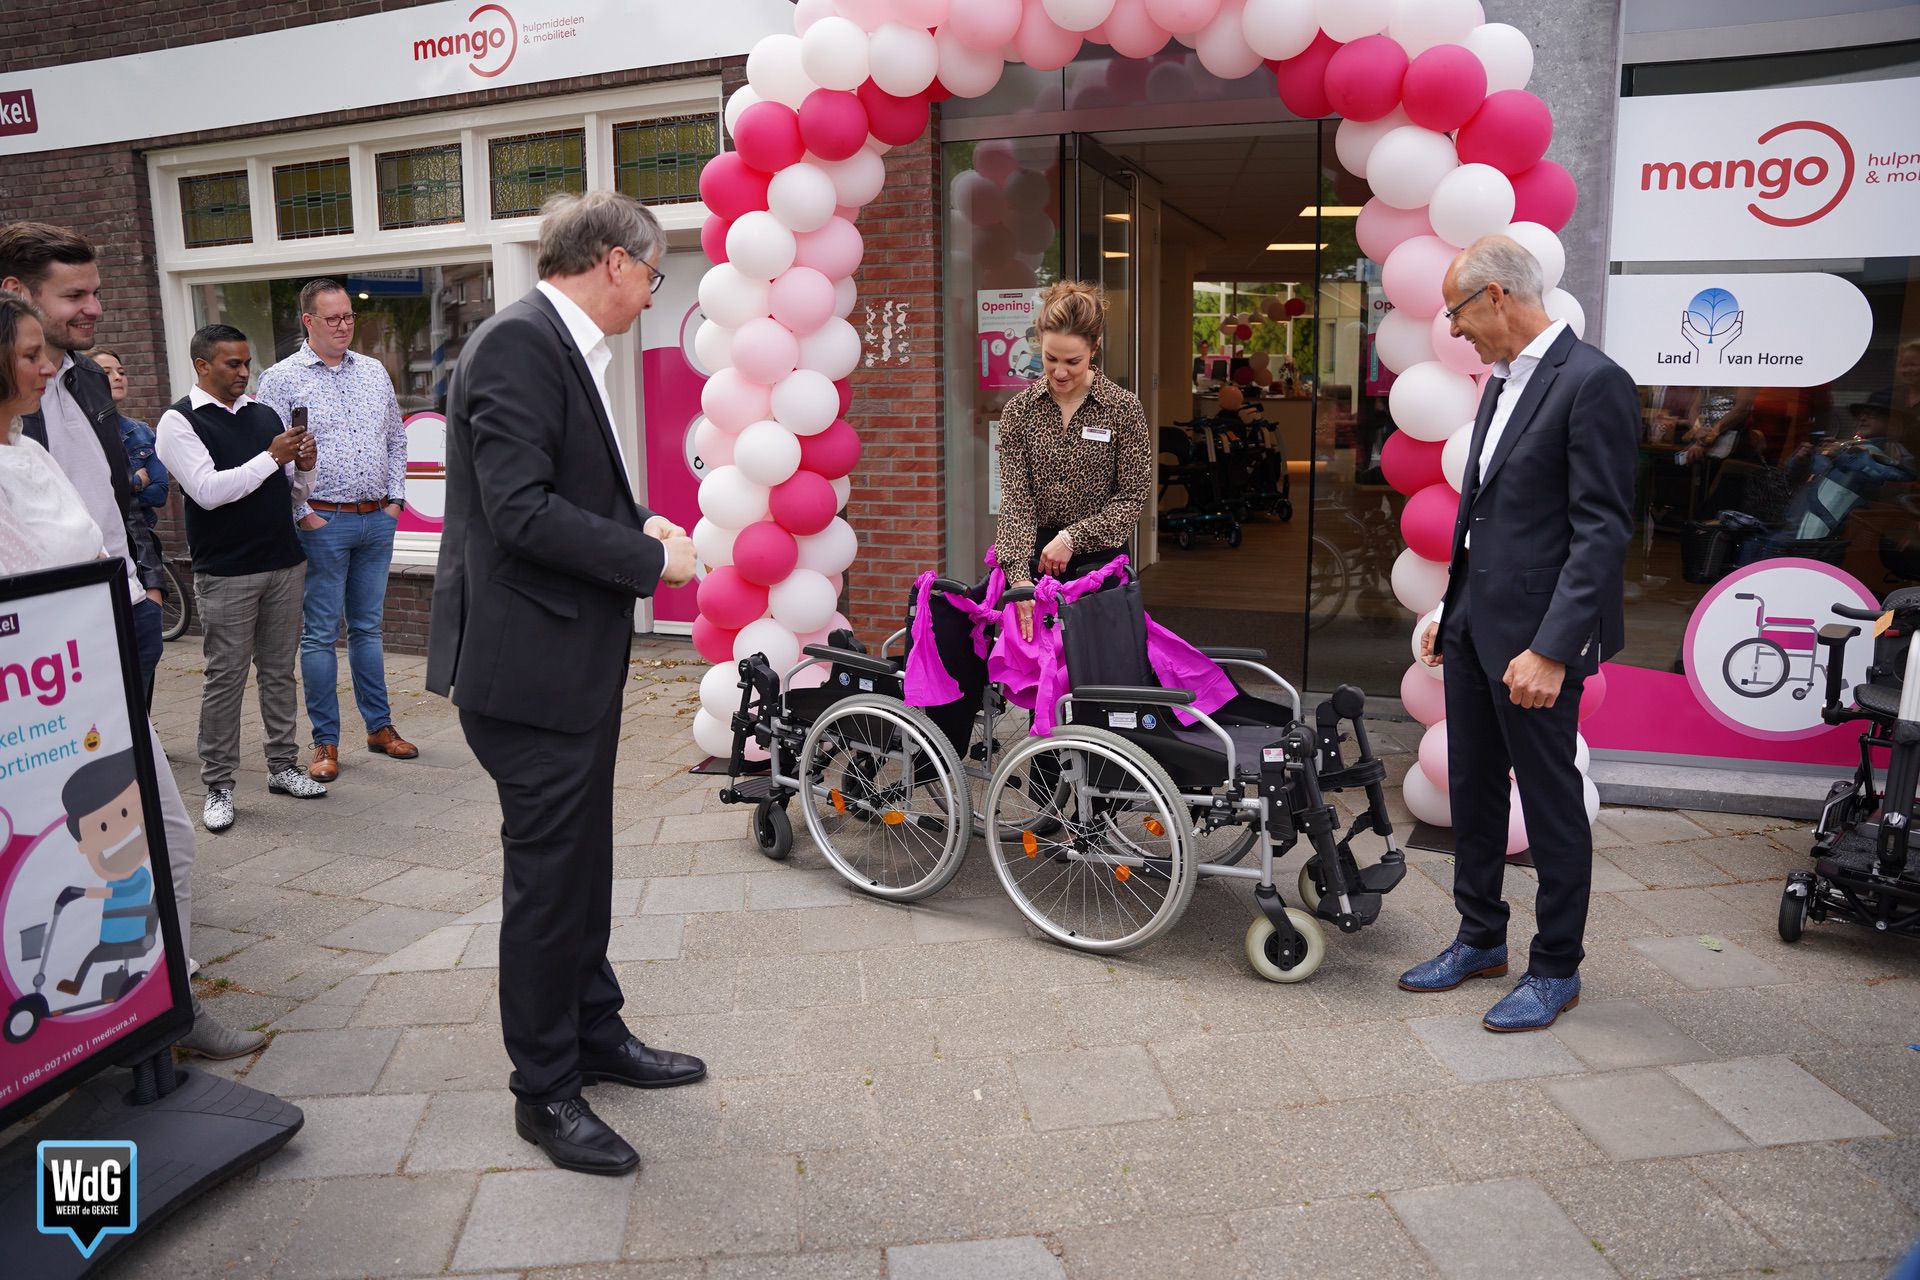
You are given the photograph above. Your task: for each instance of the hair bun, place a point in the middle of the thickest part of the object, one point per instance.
(1073, 307)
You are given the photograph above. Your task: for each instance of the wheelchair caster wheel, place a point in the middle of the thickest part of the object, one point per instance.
(1233, 537)
(1263, 951)
(1309, 889)
(1184, 539)
(1799, 695)
(772, 830)
(1795, 907)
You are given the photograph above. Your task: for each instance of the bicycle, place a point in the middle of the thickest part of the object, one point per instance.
(176, 606)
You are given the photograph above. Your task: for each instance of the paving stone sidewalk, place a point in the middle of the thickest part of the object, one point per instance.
(929, 1092)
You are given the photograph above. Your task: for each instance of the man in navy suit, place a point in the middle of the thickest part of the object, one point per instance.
(1533, 607)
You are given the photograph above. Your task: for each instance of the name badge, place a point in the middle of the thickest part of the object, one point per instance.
(1101, 434)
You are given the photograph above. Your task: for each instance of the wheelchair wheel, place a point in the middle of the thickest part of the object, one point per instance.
(1309, 889)
(884, 798)
(1114, 869)
(1755, 667)
(1009, 728)
(1264, 954)
(773, 830)
(1794, 907)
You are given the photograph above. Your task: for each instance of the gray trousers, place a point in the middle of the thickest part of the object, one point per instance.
(179, 828)
(251, 620)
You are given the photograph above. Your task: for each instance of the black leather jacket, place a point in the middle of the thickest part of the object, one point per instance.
(87, 383)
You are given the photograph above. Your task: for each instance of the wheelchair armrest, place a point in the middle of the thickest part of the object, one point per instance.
(852, 661)
(1834, 637)
(1017, 595)
(1136, 694)
(1249, 655)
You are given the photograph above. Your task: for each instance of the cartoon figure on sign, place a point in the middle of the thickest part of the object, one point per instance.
(1714, 316)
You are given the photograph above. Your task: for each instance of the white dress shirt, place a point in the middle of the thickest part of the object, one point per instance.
(186, 456)
(1517, 372)
(76, 449)
(593, 348)
(43, 521)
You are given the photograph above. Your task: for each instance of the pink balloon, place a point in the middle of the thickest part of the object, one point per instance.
(895, 121)
(984, 24)
(1510, 132)
(729, 600)
(803, 505)
(713, 238)
(834, 250)
(1041, 42)
(1517, 839)
(1363, 78)
(1411, 465)
(832, 124)
(1183, 17)
(764, 554)
(801, 299)
(1133, 33)
(1302, 79)
(1294, 307)
(1381, 228)
(1455, 353)
(730, 186)
(868, 15)
(1242, 332)
(845, 387)
(1544, 194)
(1426, 523)
(1433, 745)
(994, 159)
(732, 401)
(765, 351)
(714, 446)
(713, 641)
(1593, 693)
(1412, 275)
(767, 136)
(1444, 87)
(1424, 697)
(839, 581)
(831, 453)
(809, 677)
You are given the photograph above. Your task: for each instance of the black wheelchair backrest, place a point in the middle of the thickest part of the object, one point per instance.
(1106, 639)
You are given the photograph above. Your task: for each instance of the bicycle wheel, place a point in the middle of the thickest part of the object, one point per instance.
(1084, 885)
(884, 798)
(1755, 668)
(1327, 583)
(176, 606)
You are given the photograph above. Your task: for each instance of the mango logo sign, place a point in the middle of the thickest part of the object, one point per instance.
(1806, 186)
(491, 42)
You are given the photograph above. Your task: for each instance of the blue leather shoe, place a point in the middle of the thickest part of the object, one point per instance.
(1534, 1004)
(1454, 966)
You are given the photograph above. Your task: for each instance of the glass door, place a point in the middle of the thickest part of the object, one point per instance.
(1107, 214)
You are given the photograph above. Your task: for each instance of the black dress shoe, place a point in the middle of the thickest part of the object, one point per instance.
(573, 1137)
(635, 1065)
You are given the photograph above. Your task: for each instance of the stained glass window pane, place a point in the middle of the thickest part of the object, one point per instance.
(214, 209)
(658, 161)
(528, 167)
(313, 199)
(421, 187)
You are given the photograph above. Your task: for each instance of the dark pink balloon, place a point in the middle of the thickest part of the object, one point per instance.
(1544, 194)
(730, 186)
(832, 453)
(895, 121)
(1243, 376)
(845, 387)
(768, 136)
(1510, 131)
(1444, 87)
(714, 642)
(1295, 307)
(803, 505)
(1363, 78)
(1427, 522)
(764, 553)
(1242, 332)
(1302, 79)
(729, 599)
(1411, 465)
(1593, 693)
(833, 124)
(713, 238)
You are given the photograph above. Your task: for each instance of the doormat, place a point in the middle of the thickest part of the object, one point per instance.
(1440, 840)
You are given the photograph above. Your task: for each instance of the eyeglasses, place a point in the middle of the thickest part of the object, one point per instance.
(337, 322)
(1451, 312)
(659, 276)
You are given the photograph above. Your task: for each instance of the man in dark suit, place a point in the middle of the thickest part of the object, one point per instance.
(1533, 607)
(544, 553)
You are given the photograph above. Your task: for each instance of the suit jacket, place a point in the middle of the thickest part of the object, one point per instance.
(87, 384)
(1552, 516)
(544, 548)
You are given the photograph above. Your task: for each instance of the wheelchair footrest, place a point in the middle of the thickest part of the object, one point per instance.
(1383, 876)
(748, 791)
(1366, 909)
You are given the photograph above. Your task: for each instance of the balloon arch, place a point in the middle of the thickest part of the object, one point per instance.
(1435, 117)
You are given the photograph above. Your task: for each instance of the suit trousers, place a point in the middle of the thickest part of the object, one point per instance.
(1487, 735)
(250, 620)
(558, 993)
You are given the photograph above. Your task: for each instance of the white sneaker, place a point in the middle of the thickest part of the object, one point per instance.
(217, 813)
(293, 781)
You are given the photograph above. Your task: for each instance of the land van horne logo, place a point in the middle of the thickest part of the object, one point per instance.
(87, 1191)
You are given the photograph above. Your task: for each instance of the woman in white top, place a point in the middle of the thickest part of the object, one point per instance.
(44, 524)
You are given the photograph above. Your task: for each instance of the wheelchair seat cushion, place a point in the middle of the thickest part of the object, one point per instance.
(1248, 739)
(1879, 699)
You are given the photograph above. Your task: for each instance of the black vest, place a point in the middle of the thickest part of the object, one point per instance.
(256, 533)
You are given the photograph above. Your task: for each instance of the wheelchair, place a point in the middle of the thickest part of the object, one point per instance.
(1101, 830)
(1861, 870)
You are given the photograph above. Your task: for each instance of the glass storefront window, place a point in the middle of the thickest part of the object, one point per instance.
(312, 200)
(658, 161)
(420, 187)
(214, 209)
(527, 168)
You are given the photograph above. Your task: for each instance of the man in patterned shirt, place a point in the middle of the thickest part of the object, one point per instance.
(347, 524)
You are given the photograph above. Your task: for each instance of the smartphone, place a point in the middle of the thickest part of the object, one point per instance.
(299, 422)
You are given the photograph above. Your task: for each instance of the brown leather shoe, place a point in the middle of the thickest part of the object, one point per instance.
(326, 762)
(388, 742)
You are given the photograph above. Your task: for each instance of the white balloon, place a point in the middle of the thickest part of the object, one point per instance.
(731, 500)
(857, 179)
(767, 453)
(967, 72)
(774, 71)
(1582, 757)
(803, 602)
(1505, 52)
(743, 97)
(1355, 140)
(1077, 15)
(1424, 800)
(845, 294)
(1545, 248)
(1408, 163)
(806, 402)
(831, 550)
(713, 735)
(713, 543)
(779, 645)
(1430, 400)
(834, 54)
(1279, 29)
(1222, 44)
(1453, 458)
(833, 349)
(712, 347)
(802, 197)
(760, 246)
(1562, 305)
(731, 298)
(1474, 200)
(1590, 799)
(720, 693)
(1418, 583)
(842, 491)
(1419, 25)
(1345, 21)
(1420, 629)
(1403, 341)
(904, 58)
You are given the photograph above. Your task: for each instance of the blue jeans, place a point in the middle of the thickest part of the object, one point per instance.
(347, 562)
(147, 627)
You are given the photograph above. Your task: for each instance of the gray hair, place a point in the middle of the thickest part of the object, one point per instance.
(1503, 261)
(576, 232)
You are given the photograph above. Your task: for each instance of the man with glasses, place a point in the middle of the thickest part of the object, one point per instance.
(347, 524)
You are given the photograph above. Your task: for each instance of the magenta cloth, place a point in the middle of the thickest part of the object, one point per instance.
(927, 680)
